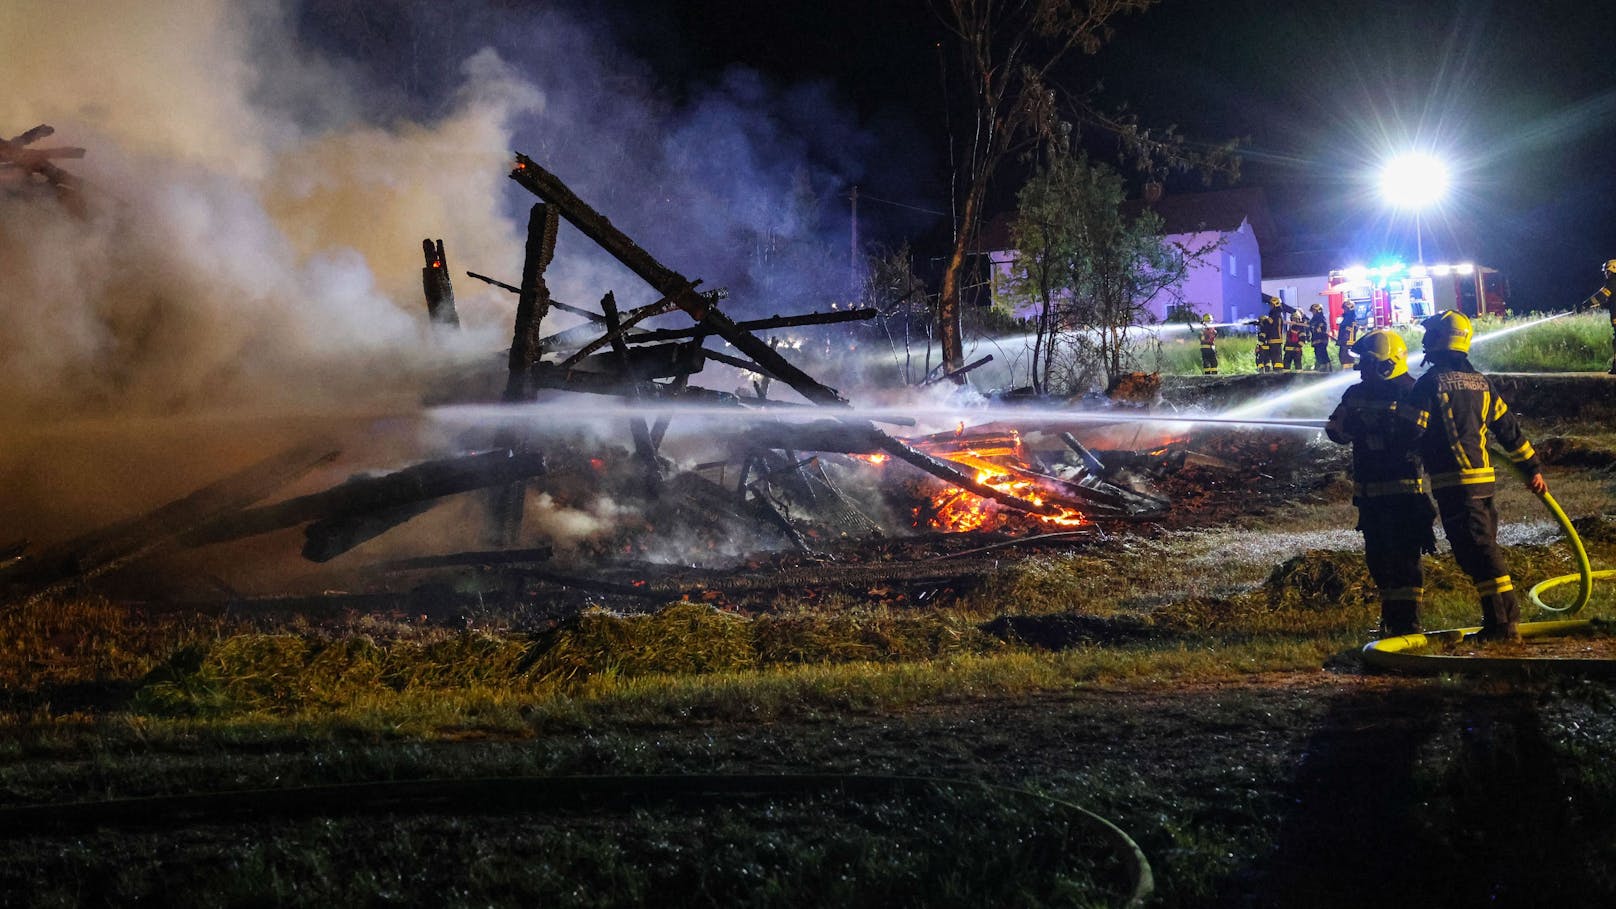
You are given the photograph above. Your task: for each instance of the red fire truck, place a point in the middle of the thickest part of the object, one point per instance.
(1395, 294)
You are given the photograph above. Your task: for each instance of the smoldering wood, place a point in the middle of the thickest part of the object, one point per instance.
(634, 317)
(741, 364)
(657, 361)
(325, 540)
(714, 501)
(595, 317)
(29, 137)
(534, 296)
(1091, 463)
(670, 283)
(488, 557)
(30, 161)
(942, 470)
(440, 301)
(362, 495)
(813, 318)
(645, 450)
(92, 555)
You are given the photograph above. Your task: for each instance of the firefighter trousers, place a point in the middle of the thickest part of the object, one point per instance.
(1397, 533)
(1321, 357)
(1209, 361)
(1472, 529)
(1293, 358)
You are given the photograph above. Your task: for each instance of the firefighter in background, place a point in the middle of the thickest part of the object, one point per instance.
(1346, 333)
(1271, 336)
(1605, 297)
(1293, 343)
(1394, 512)
(1318, 334)
(1458, 411)
(1209, 347)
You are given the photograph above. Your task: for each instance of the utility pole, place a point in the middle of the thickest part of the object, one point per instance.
(853, 248)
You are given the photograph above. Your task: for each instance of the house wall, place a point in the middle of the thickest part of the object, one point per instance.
(1228, 282)
(1300, 291)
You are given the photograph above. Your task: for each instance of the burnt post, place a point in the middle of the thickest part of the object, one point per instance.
(644, 447)
(527, 346)
(674, 286)
(440, 301)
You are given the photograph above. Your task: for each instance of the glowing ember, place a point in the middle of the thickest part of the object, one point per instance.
(877, 459)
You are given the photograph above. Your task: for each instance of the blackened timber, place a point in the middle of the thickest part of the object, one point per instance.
(106, 550)
(655, 361)
(534, 300)
(440, 301)
(472, 559)
(644, 449)
(813, 318)
(670, 283)
(956, 373)
(325, 540)
(363, 495)
(636, 316)
(595, 317)
(736, 362)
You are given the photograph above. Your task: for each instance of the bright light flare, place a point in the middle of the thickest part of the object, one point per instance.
(1414, 181)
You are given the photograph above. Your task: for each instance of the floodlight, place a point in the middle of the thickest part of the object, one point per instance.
(1415, 180)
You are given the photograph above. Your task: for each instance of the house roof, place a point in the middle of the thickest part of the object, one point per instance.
(1302, 263)
(1222, 210)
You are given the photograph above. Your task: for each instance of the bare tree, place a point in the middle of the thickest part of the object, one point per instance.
(1008, 51)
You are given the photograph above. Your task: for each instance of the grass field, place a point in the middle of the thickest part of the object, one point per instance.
(1578, 343)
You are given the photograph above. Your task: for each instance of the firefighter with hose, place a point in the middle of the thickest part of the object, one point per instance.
(1346, 333)
(1605, 297)
(1318, 334)
(1209, 346)
(1394, 512)
(1458, 412)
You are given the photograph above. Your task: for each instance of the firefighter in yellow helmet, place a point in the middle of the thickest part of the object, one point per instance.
(1394, 512)
(1318, 334)
(1459, 412)
(1209, 346)
(1293, 342)
(1346, 333)
(1271, 336)
(1606, 297)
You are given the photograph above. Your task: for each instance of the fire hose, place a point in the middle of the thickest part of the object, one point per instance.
(503, 794)
(1395, 653)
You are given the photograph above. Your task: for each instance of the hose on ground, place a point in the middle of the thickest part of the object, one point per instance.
(1394, 653)
(503, 794)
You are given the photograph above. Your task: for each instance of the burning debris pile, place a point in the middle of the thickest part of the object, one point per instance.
(809, 481)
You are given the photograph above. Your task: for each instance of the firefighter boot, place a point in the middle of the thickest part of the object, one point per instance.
(1399, 617)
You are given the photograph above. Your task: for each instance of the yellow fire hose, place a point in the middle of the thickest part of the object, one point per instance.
(1394, 653)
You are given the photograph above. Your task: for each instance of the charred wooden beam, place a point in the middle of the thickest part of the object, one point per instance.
(30, 161)
(484, 558)
(440, 301)
(813, 318)
(634, 317)
(325, 540)
(369, 495)
(738, 363)
(954, 374)
(658, 361)
(670, 283)
(644, 449)
(595, 317)
(93, 555)
(29, 137)
(534, 299)
(942, 470)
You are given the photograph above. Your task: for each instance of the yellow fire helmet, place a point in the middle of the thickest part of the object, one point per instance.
(1610, 267)
(1206, 317)
(1316, 307)
(1447, 330)
(1275, 302)
(1382, 353)
(1348, 304)
(1296, 317)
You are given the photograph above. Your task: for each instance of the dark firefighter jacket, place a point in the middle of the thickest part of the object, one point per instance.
(1457, 409)
(1347, 333)
(1269, 327)
(1605, 297)
(1376, 417)
(1318, 329)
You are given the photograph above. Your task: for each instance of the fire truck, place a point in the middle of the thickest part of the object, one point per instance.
(1395, 294)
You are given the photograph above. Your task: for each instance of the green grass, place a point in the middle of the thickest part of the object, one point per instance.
(1579, 343)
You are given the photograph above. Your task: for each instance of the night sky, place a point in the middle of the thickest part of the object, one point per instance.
(1519, 98)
